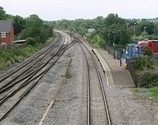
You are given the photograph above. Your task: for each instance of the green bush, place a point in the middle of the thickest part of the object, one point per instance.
(147, 51)
(101, 43)
(13, 55)
(94, 39)
(31, 41)
(143, 63)
(140, 63)
(148, 79)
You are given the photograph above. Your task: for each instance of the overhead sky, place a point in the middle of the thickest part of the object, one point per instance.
(88, 9)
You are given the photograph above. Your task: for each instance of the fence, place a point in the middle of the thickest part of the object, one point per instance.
(130, 62)
(6, 47)
(110, 49)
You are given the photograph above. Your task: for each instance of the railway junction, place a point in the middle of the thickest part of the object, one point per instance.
(71, 83)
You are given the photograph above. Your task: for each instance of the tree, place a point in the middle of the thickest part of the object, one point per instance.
(19, 24)
(112, 19)
(116, 27)
(34, 24)
(149, 26)
(35, 31)
(2, 14)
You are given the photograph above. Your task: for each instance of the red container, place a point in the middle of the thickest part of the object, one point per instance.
(154, 46)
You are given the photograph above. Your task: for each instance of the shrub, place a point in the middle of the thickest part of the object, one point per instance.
(101, 43)
(147, 51)
(148, 79)
(143, 63)
(140, 63)
(31, 41)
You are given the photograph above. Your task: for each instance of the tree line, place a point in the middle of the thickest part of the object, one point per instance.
(32, 28)
(124, 30)
(110, 29)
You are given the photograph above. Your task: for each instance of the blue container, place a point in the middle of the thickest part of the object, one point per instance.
(134, 50)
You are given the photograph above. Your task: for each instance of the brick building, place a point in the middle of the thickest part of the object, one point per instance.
(6, 32)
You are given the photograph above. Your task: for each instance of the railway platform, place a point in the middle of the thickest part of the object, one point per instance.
(121, 77)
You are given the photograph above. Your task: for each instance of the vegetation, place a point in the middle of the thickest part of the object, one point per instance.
(112, 27)
(14, 55)
(149, 94)
(32, 29)
(146, 69)
(153, 93)
(68, 75)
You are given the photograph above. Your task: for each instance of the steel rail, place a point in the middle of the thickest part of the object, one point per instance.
(34, 75)
(22, 75)
(28, 61)
(101, 86)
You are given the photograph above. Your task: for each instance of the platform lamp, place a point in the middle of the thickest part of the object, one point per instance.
(121, 47)
(108, 31)
(144, 31)
(134, 30)
(114, 32)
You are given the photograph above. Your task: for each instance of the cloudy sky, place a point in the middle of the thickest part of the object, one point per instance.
(87, 9)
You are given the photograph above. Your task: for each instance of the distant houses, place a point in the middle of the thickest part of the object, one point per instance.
(6, 32)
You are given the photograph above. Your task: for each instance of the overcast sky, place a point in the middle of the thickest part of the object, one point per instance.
(87, 9)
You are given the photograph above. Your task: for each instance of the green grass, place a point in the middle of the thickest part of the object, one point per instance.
(148, 93)
(136, 90)
(153, 93)
(14, 55)
(68, 75)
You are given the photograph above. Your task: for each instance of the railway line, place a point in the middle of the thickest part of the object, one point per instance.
(53, 98)
(97, 107)
(19, 82)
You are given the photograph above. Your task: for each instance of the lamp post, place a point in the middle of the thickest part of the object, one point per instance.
(144, 31)
(134, 30)
(121, 48)
(109, 39)
(114, 31)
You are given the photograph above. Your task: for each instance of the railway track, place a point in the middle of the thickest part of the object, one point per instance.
(55, 98)
(31, 63)
(19, 82)
(97, 108)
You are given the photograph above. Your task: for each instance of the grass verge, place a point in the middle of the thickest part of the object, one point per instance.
(14, 55)
(149, 93)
